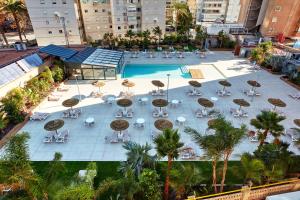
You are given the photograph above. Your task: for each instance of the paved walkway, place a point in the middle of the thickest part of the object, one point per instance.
(88, 143)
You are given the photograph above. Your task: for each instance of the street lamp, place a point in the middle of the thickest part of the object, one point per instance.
(168, 75)
(62, 20)
(77, 86)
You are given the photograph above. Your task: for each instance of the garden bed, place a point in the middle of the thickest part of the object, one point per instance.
(286, 79)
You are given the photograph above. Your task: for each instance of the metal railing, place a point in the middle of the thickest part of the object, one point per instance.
(240, 190)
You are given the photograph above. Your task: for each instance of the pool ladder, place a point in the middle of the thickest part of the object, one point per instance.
(184, 70)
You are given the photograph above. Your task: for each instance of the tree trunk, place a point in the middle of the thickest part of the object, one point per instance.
(265, 134)
(214, 175)
(3, 36)
(18, 26)
(168, 178)
(225, 166)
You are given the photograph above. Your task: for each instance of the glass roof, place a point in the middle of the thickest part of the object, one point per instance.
(104, 57)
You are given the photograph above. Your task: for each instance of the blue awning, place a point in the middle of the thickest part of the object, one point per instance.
(58, 51)
(30, 62)
(81, 55)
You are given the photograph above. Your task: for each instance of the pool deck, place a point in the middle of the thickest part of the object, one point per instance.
(88, 143)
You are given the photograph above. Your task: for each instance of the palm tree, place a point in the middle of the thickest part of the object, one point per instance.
(130, 35)
(201, 35)
(221, 38)
(146, 34)
(252, 168)
(268, 121)
(3, 122)
(158, 32)
(2, 31)
(14, 7)
(231, 137)
(181, 13)
(126, 187)
(184, 178)
(137, 157)
(212, 146)
(168, 144)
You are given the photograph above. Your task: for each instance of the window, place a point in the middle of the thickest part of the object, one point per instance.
(125, 27)
(64, 1)
(119, 27)
(60, 31)
(274, 19)
(50, 32)
(42, 1)
(86, 11)
(53, 1)
(70, 31)
(138, 17)
(131, 26)
(103, 10)
(277, 8)
(110, 26)
(118, 19)
(138, 9)
(47, 22)
(96, 11)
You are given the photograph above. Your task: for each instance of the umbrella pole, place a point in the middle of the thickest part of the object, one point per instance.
(224, 89)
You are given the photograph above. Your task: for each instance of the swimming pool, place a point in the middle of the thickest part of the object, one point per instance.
(155, 71)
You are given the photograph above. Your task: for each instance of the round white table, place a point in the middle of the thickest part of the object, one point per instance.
(90, 120)
(214, 98)
(181, 119)
(111, 98)
(174, 101)
(140, 120)
(144, 99)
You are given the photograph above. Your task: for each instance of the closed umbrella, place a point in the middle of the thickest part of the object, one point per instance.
(276, 103)
(162, 124)
(54, 125)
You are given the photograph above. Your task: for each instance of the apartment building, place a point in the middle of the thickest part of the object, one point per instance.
(96, 18)
(72, 21)
(55, 21)
(281, 17)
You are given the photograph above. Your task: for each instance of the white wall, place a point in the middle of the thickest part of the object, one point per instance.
(153, 14)
(43, 20)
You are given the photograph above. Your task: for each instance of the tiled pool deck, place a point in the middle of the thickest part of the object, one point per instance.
(86, 144)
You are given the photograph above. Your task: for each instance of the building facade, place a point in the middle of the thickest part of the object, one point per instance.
(63, 22)
(281, 17)
(55, 21)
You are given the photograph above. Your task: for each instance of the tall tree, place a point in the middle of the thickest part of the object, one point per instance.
(138, 157)
(183, 17)
(168, 144)
(201, 35)
(15, 167)
(184, 177)
(213, 147)
(14, 7)
(221, 38)
(130, 34)
(2, 30)
(231, 137)
(158, 32)
(252, 168)
(146, 38)
(268, 122)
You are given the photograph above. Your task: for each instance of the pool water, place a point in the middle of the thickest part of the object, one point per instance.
(155, 71)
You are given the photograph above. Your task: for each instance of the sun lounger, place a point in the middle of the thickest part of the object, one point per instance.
(53, 98)
(165, 114)
(118, 115)
(48, 140)
(63, 88)
(129, 115)
(155, 114)
(295, 96)
(39, 116)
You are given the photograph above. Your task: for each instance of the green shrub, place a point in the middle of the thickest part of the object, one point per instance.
(57, 74)
(13, 105)
(46, 76)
